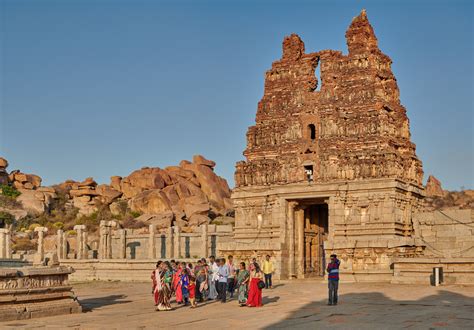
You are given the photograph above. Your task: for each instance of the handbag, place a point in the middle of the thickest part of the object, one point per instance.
(261, 284)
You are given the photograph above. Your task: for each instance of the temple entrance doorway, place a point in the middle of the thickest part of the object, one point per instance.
(315, 234)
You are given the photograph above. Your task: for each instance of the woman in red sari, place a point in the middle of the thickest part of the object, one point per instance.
(177, 284)
(255, 293)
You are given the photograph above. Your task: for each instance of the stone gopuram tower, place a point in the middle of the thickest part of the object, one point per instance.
(329, 166)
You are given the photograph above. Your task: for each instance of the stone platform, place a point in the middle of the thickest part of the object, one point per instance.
(31, 292)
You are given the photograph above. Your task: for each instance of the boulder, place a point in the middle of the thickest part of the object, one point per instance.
(3, 163)
(161, 221)
(200, 160)
(115, 182)
(198, 219)
(34, 202)
(150, 201)
(195, 205)
(214, 187)
(88, 182)
(118, 208)
(144, 179)
(46, 189)
(107, 194)
(83, 192)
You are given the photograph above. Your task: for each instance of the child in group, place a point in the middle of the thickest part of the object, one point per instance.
(192, 291)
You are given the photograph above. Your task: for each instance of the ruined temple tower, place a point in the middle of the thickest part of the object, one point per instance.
(329, 169)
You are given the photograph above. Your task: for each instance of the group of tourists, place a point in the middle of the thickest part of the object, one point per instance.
(214, 280)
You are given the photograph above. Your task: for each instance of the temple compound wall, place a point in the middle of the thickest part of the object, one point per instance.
(329, 166)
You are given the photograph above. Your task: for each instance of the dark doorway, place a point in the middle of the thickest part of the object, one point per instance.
(315, 234)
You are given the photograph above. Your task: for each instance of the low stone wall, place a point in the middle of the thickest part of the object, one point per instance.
(420, 270)
(30, 292)
(112, 269)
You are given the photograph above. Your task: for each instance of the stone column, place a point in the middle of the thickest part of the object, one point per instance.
(85, 251)
(291, 243)
(177, 242)
(204, 240)
(123, 244)
(3, 237)
(300, 242)
(105, 240)
(8, 249)
(59, 243)
(80, 241)
(102, 240)
(64, 245)
(169, 243)
(40, 253)
(151, 242)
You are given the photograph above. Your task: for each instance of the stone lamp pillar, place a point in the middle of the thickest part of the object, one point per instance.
(81, 247)
(39, 258)
(5, 249)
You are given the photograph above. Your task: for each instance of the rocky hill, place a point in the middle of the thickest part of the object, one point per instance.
(439, 199)
(188, 195)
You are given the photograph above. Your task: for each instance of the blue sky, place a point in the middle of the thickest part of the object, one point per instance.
(101, 88)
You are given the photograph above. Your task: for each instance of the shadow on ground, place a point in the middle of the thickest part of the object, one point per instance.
(90, 304)
(375, 310)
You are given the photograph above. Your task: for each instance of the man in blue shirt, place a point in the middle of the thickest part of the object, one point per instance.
(223, 274)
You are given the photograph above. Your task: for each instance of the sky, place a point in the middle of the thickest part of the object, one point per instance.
(101, 88)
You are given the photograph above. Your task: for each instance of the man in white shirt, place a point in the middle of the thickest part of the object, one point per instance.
(223, 273)
(231, 280)
(213, 278)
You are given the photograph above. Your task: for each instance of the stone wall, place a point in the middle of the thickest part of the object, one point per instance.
(447, 233)
(35, 292)
(420, 270)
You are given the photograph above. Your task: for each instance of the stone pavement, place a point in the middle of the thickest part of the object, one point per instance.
(295, 305)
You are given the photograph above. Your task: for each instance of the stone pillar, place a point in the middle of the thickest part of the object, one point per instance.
(151, 242)
(204, 240)
(105, 239)
(169, 243)
(291, 243)
(85, 251)
(8, 249)
(177, 242)
(59, 243)
(39, 258)
(123, 244)
(300, 243)
(80, 244)
(64, 245)
(3, 249)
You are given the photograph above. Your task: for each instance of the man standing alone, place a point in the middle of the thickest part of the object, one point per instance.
(268, 271)
(223, 273)
(333, 279)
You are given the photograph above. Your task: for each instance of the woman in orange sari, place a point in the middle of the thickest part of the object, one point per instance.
(255, 293)
(177, 283)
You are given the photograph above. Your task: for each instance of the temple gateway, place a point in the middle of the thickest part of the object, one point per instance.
(329, 166)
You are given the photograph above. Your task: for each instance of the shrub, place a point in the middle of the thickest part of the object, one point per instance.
(71, 233)
(58, 225)
(135, 214)
(132, 223)
(9, 202)
(6, 218)
(33, 226)
(9, 191)
(24, 244)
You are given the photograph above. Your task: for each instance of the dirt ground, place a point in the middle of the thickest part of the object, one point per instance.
(296, 305)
